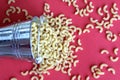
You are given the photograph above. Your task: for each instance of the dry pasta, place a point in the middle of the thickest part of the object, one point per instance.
(34, 78)
(105, 8)
(75, 63)
(88, 9)
(104, 51)
(116, 51)
(114, 38)
(74, 77)
(100, 28)
(85, 1)
(86, 31)
(29, 17)
(5, 20)
(78, 48)
(100, 23)
(85, 12)
(89, 26)
(13, 9)
(93, 68)
(18, 10)
(77, 11)
(115, 6)
(107, 17)
(93, 20)
(113, 11)
(8, 12)
(79, 31)
(79, 77)
(91, 4)
(81, 12)
(79, 42)
(112, 70)
(113, 19)
(25, 11)
(100, 11)
(24, 73)
(114, 59)
(87, 78)
(69, 71)
(96, 76)
(13, 78)
(11, 1)
(103, 65)
(47, 7)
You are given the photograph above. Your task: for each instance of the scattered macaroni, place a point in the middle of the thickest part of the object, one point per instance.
(103, 65)
(11, 1)
(5, 20)
(116, 51)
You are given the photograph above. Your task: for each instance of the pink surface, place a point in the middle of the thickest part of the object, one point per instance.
(92, 42)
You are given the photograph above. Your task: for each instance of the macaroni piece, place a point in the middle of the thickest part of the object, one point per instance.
(11, 1)
(112, 70)
(8, 12)
(24, 73)
(114, 59)
(18, 10)
(25, 11)
(5, 20)
(116, 51)
(104, 51)
(13, 9)
(103, 65)
(34, 78)
(99, 11)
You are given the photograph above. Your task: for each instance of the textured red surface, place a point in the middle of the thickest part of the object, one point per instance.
(92, 42)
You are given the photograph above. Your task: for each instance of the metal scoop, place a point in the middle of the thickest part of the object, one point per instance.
(15, 40)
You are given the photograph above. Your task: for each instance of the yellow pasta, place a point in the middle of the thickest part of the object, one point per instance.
(11, 1)
(115, 6)
(105, 8)
(18, 10)
(74, 77)
(25, 11)
(113, 11)
(103, 65)
(78, 48)
(88, 9)
(96, 76)
(85, 1)
(81, 13)
(100, 28)
(107, 17)
(114, 38)
(104, 51)
(86, 31)
(85, 12)
(5, 20)
(114, 59)
(75, 63)
(112, 70)
(79, 77)
(69, 71)
(8, 12)
(34, 78)
(24, 73)
(100, 23)
(93, 20)
(13, 78)
(13, 9)
(79, 31)
(89, 26)
(100, 11)
(112, 19)
(77, 11)
(116, 51)
(87, 78)
(93, 68)
(91, 4)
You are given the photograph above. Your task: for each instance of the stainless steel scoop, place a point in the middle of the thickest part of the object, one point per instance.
(15, 40)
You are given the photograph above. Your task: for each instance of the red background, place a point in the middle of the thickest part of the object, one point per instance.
(92, 42)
